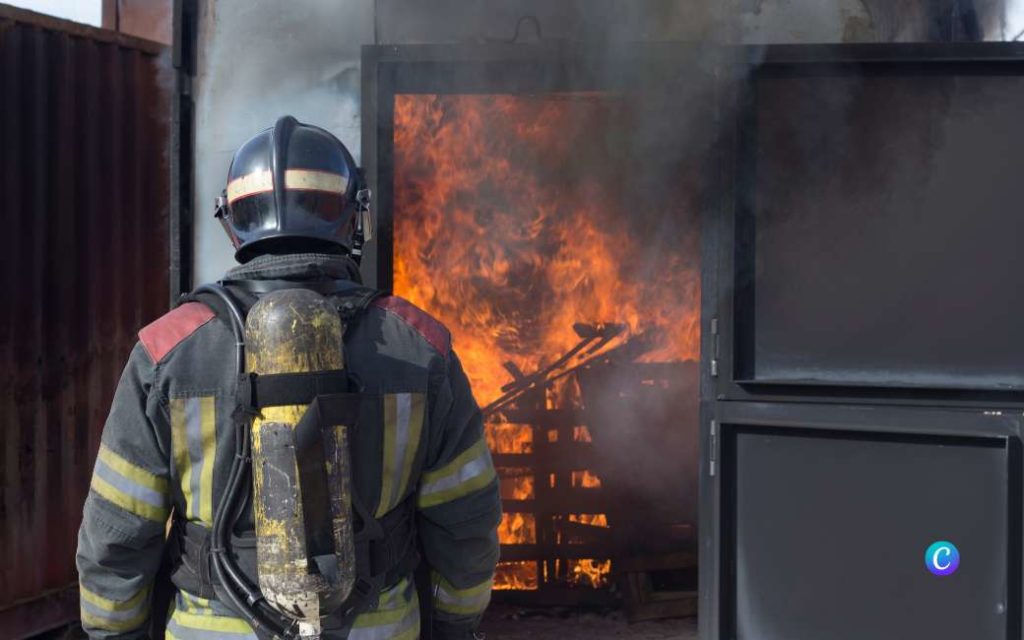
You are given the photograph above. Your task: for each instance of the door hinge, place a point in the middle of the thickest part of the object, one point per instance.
(713, 448)
(714, 347)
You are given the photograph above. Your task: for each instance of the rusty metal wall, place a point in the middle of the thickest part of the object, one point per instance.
(83, 264)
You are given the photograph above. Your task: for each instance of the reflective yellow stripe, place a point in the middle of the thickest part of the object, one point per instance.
(193, 602)
(179, 449)
(128, 503)
(400, 622)
(202, 622)
(403, 426)
(208, 427)
(387, 470)
(98, 612)
(469, 601)
(470, 471)
(132, 472)
(91, 621)
(111, 605)
(381, 618)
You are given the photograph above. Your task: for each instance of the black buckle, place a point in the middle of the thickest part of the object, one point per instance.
(245, 399)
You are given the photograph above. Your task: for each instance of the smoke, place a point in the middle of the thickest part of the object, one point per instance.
(262, 59)
(634, 146)
(656, 163)
(259, 60)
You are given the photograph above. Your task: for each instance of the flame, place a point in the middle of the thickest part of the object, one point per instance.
(590, 573)
(522, 576)
(509, 237)
(593, 519)
(585, 480)
(512, 225)
(582, 434)
(509, 438)
(518, 528)
(516, 483)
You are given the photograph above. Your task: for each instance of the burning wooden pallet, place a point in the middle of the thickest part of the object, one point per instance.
(574, 495)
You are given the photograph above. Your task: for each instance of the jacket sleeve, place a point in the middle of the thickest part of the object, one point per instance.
(459, 507)
(121, 538)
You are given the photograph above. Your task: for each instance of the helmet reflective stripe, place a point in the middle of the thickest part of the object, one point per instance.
(296, 179)
(310, 180)
(293, 187)
(255, 182)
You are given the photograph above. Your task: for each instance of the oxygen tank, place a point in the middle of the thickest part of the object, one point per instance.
(302, 485)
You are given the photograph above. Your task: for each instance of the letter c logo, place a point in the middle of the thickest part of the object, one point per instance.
(942, 558)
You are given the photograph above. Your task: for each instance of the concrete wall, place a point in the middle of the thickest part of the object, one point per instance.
(260, 59)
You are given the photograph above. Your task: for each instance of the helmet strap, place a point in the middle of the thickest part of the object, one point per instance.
(364, 225)
(220, 211)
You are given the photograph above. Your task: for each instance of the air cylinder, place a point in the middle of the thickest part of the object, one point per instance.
(305, 548)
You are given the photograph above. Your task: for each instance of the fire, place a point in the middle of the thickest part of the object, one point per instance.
(521, 576)
(509, 234)
(509, 438)
(585, 480)
(591, 573)
(516, 224)
(581, 433)
(518, 528)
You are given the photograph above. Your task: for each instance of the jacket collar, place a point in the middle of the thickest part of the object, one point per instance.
(297, 266)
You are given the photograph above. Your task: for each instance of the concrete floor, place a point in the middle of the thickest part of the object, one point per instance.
(503, 622)
(511, 623)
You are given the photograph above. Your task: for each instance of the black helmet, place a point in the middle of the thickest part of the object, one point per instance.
(293, 187)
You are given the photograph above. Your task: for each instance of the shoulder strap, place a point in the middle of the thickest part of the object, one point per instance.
(353, 302)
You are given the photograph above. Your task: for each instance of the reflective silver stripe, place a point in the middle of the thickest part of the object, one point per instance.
(475, 467)
(463, 603)
(312, 180)
(408, 624)
(255, 182)
(129, 487)
(193, 427)
(403, 405)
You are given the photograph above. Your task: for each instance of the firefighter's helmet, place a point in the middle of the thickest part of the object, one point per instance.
(292, 188)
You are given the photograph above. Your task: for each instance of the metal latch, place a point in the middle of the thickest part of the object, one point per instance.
(714, 348)
(713, 448)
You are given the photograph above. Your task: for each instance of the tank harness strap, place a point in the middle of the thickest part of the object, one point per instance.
(354, 301)
(385, 558)
(386, 549)
(275, 390)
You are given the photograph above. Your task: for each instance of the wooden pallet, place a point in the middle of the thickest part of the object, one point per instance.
(642, 601)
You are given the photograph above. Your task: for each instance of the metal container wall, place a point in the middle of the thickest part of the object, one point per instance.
(84, 264)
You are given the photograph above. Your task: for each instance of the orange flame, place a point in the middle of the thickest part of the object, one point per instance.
(511, 227)
(521, 576)
(509, 237)
(585, 480)
(590, 573)
(518, 528)
(509, 438)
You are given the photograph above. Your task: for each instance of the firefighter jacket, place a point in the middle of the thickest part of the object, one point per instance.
(168, 442)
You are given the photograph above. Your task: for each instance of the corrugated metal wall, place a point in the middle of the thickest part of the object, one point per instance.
(83, 264)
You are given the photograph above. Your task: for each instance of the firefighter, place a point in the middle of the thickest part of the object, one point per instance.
(172, 449)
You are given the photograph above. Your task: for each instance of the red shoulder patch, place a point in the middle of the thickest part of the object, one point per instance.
(432, 331)
(169, 331)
